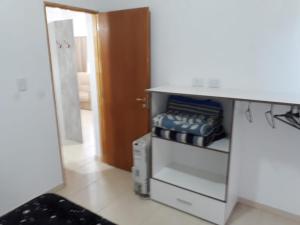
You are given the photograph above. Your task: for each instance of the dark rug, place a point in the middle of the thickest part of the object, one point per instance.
(51, 209)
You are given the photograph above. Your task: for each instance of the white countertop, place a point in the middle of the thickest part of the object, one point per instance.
(236, 94)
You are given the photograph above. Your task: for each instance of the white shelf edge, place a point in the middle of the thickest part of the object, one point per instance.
(222, 145)
(233, 94)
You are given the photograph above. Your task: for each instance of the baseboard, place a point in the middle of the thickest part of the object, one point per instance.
(270, 209)
(57, 188)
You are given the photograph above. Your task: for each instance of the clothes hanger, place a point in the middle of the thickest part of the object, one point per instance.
(296, 115)
(270, 116)
(249, 114)
(290, 118)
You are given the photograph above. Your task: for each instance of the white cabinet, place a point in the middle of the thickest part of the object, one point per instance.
(196, 180)
(192, 203)
(192, 168)
(204, 181)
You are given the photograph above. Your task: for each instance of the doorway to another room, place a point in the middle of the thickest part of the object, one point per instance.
(72, 48)
(100, 71)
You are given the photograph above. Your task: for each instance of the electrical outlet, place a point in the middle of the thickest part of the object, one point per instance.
(214, 83)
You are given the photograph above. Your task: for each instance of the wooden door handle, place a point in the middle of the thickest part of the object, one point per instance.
(144, 101)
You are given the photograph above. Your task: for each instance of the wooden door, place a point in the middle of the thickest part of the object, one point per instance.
(125, 74)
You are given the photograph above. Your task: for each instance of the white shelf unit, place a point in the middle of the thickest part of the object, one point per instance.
(222, 145)
(192, 168)
(196, 180)
(199, 174)
(199, 188)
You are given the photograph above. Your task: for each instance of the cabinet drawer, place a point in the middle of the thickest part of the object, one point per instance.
(195, 204)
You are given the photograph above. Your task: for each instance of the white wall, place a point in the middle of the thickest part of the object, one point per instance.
(29, 153)
(248, 44)
(270, 172)
(79, 19)
(93, 81)
(251, 44)
(65, 80)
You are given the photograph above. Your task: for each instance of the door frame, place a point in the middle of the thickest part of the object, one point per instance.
(97, 55)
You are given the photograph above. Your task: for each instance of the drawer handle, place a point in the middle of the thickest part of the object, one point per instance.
(184, 202)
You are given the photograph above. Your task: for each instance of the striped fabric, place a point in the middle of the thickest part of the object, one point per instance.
(189, 138)
(194, 106)
(191, 121)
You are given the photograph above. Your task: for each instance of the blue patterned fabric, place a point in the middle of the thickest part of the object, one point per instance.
(186, 123)
(190, 116)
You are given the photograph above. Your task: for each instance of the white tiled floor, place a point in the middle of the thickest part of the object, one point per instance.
(75, 153)
(107, 191)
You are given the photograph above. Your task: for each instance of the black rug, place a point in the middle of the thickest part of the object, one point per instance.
(51, 209)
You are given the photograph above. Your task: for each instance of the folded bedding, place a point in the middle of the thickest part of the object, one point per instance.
(186, 105)
(186, 123)
(191, 121)
(201, 141)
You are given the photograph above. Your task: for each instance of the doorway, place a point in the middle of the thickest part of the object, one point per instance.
(72, 52)
(119, 50)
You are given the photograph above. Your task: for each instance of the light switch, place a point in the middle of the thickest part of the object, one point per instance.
(214, 83)
(22, 84)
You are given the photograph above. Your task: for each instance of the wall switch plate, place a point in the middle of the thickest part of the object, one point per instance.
(198, 82)
(22, 84)
(214, 83)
